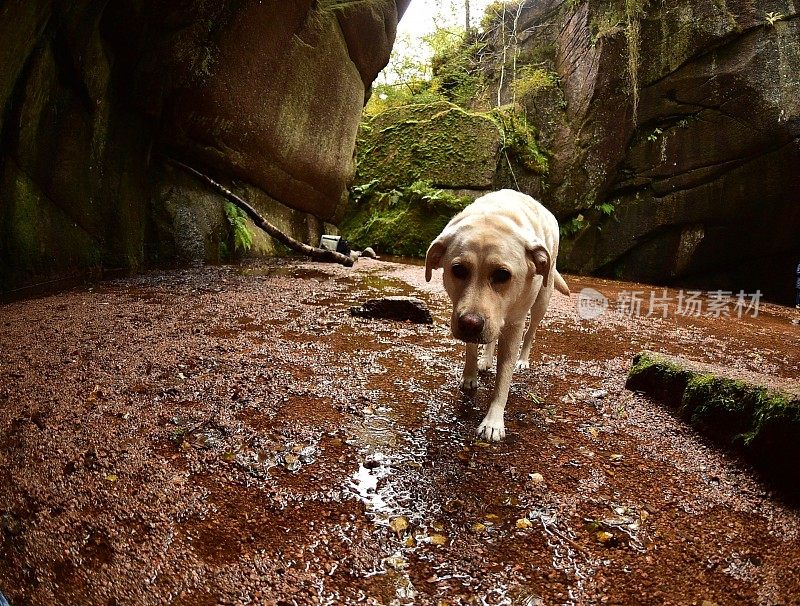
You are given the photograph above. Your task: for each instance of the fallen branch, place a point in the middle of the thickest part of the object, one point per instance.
(318, 254)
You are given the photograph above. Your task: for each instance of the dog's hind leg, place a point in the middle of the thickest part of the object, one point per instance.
(487, 356)
(537, 313)
(469, 379)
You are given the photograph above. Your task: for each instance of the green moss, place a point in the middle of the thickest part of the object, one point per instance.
(409, 160)
(607, 24)
(530, 79)
(719, 405)
(519, 139)
(39, 239)
(454, 66)
(645, 361)
(439, 143)
(624, 16)
(762, 422)
(401, 221)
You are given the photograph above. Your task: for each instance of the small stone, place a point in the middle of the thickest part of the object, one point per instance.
(394, 308)
(399, 524)
(536, 478)
(397, 562)
(524, 523)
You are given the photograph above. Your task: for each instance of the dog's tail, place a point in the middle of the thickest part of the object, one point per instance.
(561, 285)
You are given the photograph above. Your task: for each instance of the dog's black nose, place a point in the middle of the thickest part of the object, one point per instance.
(470, 326)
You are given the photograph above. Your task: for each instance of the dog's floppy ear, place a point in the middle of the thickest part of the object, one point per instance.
(537, 255)
(433, 258)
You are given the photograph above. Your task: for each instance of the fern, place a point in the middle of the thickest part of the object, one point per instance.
(242, 238)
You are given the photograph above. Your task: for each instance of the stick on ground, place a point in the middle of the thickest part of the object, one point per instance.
(318, 254)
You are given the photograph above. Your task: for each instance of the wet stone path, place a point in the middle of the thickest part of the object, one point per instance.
(231, 435)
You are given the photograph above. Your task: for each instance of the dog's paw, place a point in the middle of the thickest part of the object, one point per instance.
(469, 383)
(484, 364)
(492, 430)
(522, 365)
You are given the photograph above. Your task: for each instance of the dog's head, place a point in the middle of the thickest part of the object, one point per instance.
(493, 270)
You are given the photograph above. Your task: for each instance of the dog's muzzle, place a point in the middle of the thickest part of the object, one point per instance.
(470, 328)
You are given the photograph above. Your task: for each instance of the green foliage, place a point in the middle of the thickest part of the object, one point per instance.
(242, 238)
(569, 228)
(654, 135)
(606, 209)
(519, 139)
(401, 221)
(411, 92)
(452, 74)
(607, 24)
(530, 79)
(454, 67)
(493, 15)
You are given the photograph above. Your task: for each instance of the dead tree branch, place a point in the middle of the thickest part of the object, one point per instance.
(318, 254)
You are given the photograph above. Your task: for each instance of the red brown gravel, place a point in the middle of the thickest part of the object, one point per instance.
(231, 435)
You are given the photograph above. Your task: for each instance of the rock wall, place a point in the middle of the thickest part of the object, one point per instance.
(264, 94)
(420, 164)
(674, 137)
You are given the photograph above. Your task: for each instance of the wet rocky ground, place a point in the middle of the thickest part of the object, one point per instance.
(231, 435)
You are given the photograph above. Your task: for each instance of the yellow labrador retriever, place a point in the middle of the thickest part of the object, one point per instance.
(499, 260)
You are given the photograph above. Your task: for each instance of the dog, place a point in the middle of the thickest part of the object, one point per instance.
(499, 261)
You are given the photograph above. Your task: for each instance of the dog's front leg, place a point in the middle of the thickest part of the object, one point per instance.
(469, 380)
(487, 356)
(493, 427)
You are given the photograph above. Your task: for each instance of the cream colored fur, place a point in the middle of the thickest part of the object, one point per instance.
(499, 260)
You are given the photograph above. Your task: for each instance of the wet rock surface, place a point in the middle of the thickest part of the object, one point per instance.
(408, 309)
(94, 94)
(227, 435)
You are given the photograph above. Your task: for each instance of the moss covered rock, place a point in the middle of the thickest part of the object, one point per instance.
(673, 134)
(401, 221)
(420, 164)
(93, 93)
(439, 143)
(756, 415)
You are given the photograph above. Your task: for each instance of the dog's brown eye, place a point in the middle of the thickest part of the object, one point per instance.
(501, 276)
(460, 272)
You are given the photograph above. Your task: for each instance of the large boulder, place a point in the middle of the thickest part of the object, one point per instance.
(439, 143)
(263, 95)
(674, 138)
(420, 164)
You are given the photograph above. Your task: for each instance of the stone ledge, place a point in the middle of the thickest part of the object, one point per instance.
(756, 415)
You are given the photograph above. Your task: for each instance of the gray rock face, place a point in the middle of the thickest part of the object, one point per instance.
(92, 92)
(675, 140)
